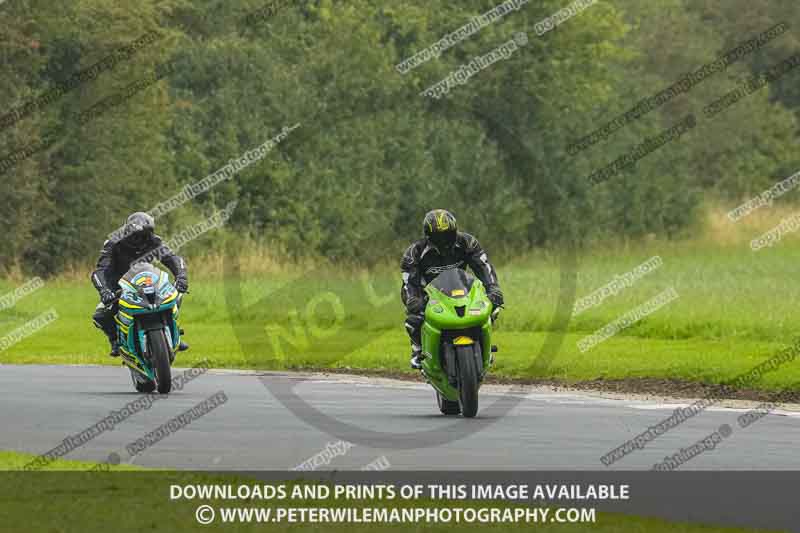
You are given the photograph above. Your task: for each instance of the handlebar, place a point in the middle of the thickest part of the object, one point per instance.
(495, 313)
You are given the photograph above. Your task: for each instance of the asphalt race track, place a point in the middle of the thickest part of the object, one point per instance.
(254, 431)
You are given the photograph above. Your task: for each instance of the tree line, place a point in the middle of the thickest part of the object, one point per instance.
(510, 150)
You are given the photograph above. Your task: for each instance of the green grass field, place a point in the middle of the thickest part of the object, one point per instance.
(735, 308)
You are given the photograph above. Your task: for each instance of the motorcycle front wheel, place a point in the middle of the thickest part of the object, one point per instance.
(159, 357)
(466, 359)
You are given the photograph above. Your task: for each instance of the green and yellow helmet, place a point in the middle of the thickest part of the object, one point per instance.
(440, 229)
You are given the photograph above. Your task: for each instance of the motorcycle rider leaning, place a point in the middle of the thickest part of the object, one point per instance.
(442, 248)
(136, 241)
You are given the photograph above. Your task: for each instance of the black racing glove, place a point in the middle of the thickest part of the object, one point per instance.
(415, 304)
(495, 296)
(108, 297)
(182, 284)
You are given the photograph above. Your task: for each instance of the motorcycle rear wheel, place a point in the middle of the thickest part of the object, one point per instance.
(446, 406)
(142, 384)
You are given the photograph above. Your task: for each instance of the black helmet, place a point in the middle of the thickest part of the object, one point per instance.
(139, 228)
(440, 229)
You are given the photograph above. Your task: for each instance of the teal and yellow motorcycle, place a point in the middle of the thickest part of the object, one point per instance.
(147, 326)
(457, 340)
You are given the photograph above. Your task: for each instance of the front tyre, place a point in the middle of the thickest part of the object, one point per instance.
(159, 358)
(466, 360)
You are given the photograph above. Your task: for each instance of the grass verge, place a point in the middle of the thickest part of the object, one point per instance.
(735, 308)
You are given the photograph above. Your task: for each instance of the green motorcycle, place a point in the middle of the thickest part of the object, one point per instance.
(456, 340)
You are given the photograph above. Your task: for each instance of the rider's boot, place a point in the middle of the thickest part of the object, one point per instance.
(114, 342)
(416, 357)
(110, 330)
(182, 346)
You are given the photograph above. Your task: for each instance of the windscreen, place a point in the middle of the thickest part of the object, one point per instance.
(137, 269)
(452, 281)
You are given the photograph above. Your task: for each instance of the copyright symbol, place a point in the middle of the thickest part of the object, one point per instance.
(204, 514)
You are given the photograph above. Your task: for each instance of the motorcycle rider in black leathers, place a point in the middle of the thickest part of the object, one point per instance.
(137, 241)
(442, 248)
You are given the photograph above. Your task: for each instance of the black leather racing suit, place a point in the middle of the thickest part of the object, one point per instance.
(422, 262)
(116, 258)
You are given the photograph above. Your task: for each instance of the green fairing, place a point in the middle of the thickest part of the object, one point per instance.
(447, 319)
